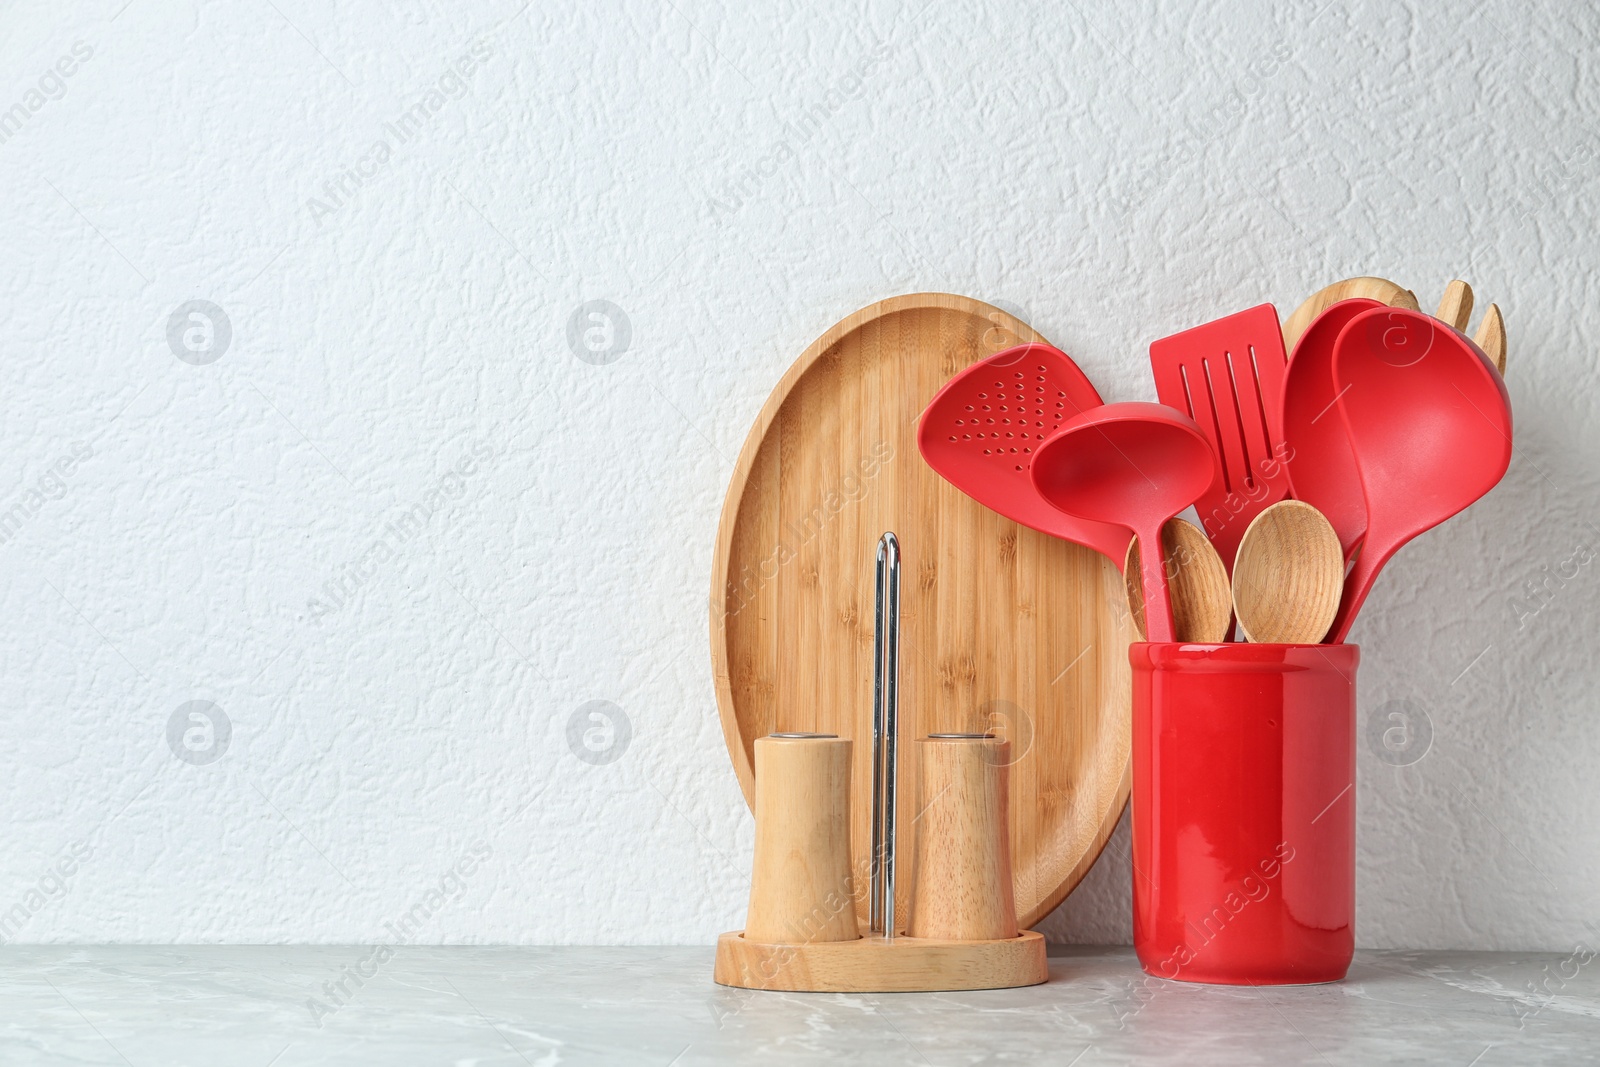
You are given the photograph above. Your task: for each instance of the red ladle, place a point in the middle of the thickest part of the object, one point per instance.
(1322, 469)
(1429, 424)
(980, 433)
(1136, 465)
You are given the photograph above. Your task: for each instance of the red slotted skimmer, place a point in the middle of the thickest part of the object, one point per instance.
(980, 432)
(1228, 376)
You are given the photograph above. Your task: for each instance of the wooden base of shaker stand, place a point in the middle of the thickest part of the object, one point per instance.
(875, 965)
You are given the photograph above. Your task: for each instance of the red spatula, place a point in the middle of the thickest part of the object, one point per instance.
(980, 432)
(1228, 376)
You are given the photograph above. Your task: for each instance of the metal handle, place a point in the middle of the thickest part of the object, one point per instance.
(885, 731)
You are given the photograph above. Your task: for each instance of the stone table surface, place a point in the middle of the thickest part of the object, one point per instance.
(254, 1006)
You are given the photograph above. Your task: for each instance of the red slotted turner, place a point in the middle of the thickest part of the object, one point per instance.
(1228, 376)
(981, 430)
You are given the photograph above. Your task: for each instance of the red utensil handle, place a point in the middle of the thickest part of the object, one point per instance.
(1369, 561)
(1153, 576)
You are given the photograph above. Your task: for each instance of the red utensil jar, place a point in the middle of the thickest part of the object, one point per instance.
(1244, 768)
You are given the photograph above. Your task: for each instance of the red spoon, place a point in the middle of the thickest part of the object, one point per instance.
(1322, 469)
(981, 430)
(1137, 465)
(1429, 424)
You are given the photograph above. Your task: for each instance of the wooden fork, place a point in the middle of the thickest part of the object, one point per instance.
(1456, 308)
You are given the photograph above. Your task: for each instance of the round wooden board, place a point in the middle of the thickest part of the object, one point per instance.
(1002, 628)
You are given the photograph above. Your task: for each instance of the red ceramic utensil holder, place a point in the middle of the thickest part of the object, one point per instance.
(1244, 811)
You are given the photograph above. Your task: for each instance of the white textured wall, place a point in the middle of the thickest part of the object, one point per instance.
(403, 344)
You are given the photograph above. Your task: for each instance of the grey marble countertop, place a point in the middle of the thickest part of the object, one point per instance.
(280, 1006)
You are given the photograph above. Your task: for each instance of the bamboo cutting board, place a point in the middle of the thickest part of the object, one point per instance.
(1002, 628)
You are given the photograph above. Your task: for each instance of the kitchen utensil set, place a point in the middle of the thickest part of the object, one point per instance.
(1309, 471)
(1382, 423)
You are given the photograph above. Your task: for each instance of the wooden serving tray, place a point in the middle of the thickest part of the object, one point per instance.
(1002, 628)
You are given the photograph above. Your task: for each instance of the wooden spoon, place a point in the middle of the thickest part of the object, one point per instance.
(1196, 579)
(1288, 576)
(1379, 289)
